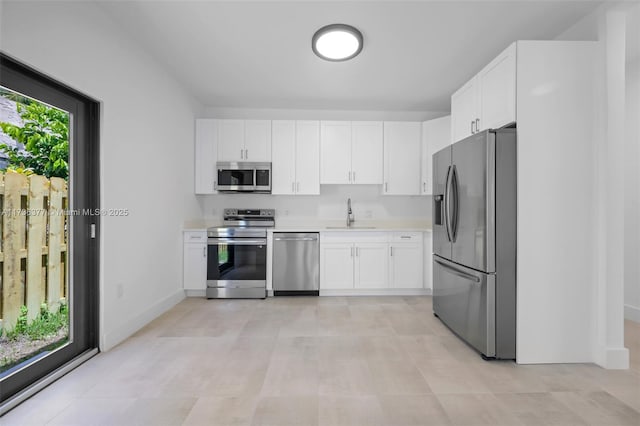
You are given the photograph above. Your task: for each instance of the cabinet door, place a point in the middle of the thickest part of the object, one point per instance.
(436, 134)
(195, 266)
(497, 91)
(402, 162)
(371, 265)
(307, 179)
(335, 152)
(405, 266)
(283, 161)
(231, 140)
(464, 107)
(206, 156)
(336, 266)
(257, 140)
(366, 152)
(427, 256)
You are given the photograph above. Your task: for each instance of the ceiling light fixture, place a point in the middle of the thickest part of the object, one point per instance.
(337, 42)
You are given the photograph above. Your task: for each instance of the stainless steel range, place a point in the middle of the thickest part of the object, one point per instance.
(237, 254)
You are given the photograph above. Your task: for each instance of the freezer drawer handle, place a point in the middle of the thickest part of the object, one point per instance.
(457, 272)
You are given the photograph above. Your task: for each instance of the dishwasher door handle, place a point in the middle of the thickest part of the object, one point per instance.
(296, 239)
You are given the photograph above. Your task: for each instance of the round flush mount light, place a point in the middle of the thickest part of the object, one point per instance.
(337, 42)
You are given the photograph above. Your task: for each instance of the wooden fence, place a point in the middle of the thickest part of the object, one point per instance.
(33, 244)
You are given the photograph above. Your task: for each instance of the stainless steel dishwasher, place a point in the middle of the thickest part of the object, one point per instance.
(296, 264)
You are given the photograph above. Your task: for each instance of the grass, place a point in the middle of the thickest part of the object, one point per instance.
(45, 324)
(46, 332)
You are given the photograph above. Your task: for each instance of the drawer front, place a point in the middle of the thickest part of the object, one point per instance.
(195, 236)
(354, 237)
(406, 237)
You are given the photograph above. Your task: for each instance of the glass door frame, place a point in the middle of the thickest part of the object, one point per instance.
(84, 230)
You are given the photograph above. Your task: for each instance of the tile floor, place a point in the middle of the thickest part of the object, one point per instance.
(324, 361)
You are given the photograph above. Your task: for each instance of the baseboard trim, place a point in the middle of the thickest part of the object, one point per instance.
(377, 292)
(632, 313)
(110, 340)
(195, 293)
(614, 359)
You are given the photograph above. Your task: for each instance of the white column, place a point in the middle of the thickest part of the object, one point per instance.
(611, 352)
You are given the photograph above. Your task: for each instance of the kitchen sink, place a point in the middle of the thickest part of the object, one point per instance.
(350, 227)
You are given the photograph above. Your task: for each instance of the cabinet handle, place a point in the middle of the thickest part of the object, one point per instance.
(297, 186)
(386, 187)
(472, 132)
(215, 185)
(477, 125)
(349, 176)
(242, 154)
(293, 187)
(246, 154)
(391, 250)
(354, 177)
(351, 251)
(204, 252)
(424, 186)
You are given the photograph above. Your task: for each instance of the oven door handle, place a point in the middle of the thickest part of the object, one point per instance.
(236, 242)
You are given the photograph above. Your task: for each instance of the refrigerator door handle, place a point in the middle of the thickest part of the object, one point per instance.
(456, 204)
(457, 272)
(447, 223)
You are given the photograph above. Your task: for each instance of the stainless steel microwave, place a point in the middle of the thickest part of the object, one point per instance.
(244, 177)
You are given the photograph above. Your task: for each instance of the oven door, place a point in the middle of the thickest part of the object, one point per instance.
(237, 263)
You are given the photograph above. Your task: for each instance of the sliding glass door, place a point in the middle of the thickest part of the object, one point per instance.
(49, 183)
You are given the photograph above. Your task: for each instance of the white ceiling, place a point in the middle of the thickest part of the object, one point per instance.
(258, 54)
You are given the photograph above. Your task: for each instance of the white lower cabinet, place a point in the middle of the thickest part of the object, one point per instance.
(194, 275)
(370, 265)
(371, 261)
(336, 265)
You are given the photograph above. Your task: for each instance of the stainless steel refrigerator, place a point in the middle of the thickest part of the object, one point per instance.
(474, 241)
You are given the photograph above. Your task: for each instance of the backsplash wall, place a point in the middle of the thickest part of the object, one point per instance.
(366, 201)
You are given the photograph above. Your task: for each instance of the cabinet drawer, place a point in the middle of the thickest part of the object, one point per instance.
(406, 237)
(195, 236)
(354, 237)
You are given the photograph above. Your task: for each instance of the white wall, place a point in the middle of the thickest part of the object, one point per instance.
(632, 169)
(615, 194)
(146, 141)
(331, 204)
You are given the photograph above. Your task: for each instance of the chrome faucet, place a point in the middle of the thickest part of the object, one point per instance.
(350, 218)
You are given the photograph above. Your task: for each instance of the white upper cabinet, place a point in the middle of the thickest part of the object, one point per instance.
(231, 140)
(257, 140)
(283, 157)
(464, 111)
(244, 140)
(206, 156)
(402, 161)
(488, 100)
(436, 134)
(307, 157)
(351, 152)
(366, 152)
(497, 91)
(295, 157)
(335, 152)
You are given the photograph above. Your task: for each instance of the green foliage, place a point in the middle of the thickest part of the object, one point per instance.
(46, 324)
(45, 136)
